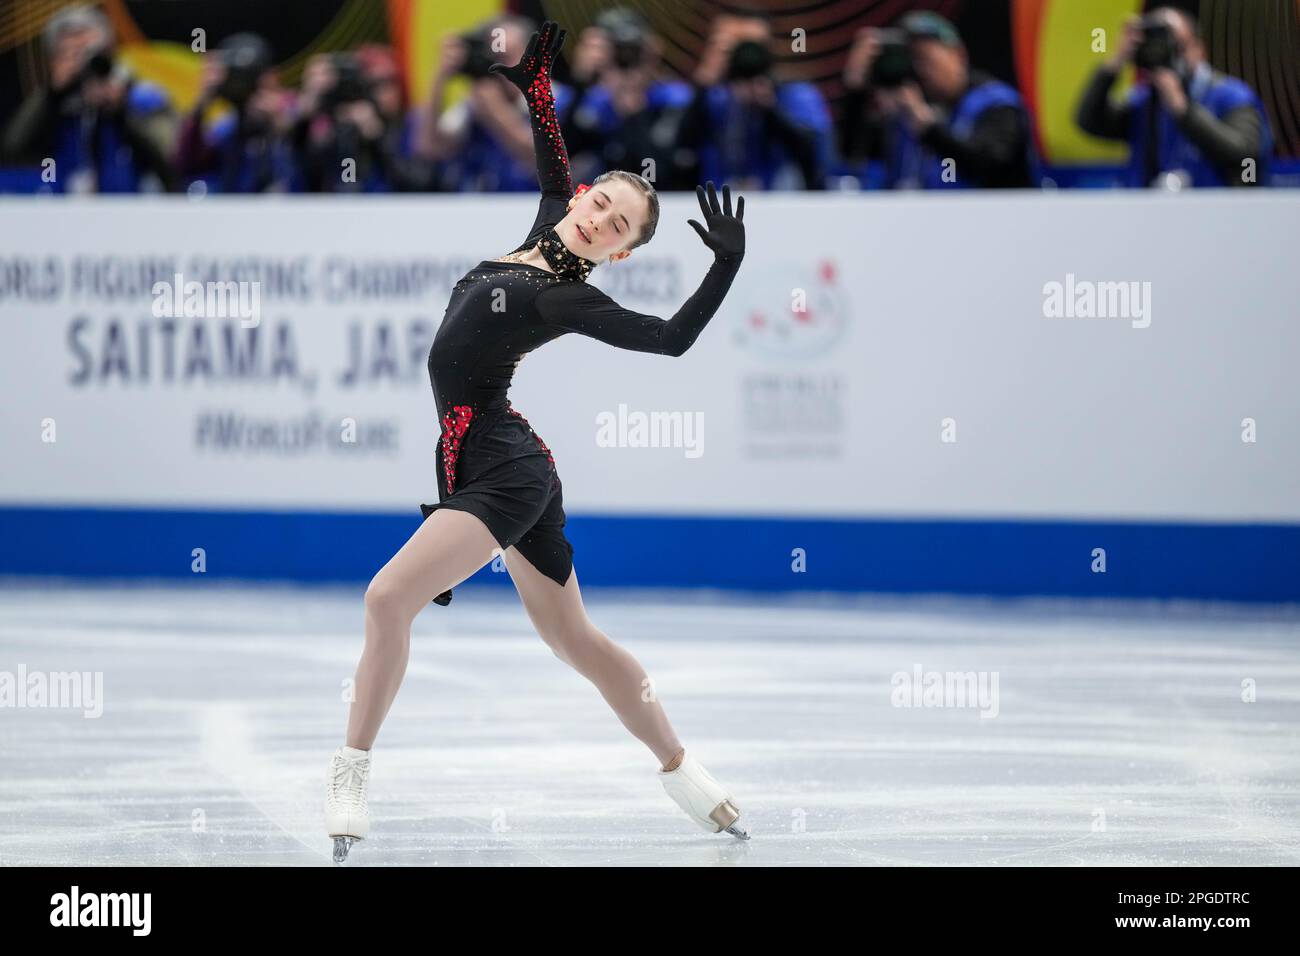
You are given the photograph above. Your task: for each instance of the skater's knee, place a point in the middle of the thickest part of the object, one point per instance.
(386, 603)
(576, 646)
(555, 641)
(558, 651)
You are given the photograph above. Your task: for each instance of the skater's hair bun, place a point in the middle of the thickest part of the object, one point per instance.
(652, 198)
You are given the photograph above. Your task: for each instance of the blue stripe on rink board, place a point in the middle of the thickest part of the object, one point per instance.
(1241, 562)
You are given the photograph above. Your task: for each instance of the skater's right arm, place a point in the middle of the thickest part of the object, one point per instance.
(532, 76)
(582, 308)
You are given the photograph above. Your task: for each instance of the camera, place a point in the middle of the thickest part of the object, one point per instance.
(749, 59)
(1157, 48)
(246, 57)
(478, 56)
(892, 67)
(99, 65)
(349, 84)
(626, 31)
(629, 46)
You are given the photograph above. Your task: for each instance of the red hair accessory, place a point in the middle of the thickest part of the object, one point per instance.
(582, 188)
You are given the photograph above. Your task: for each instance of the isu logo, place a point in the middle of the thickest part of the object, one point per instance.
(793, 313)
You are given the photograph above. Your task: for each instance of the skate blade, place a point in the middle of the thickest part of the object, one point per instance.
(738, 831)
(342, 844)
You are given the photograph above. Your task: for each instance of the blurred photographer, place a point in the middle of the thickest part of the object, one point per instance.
(105, 130)
(248, 149)
(624, 115)
(485, 142)
(747, 127)
(353, 108)
(915, 104)
(1200, 127)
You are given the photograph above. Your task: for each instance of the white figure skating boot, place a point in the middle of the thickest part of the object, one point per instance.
(705, 800)
(347, 818)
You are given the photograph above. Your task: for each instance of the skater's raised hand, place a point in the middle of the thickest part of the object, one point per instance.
(534, 67)
(726, 233)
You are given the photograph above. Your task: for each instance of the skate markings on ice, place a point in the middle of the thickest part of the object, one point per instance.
(227, 744)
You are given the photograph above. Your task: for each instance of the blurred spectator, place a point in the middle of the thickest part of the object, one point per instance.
(248, 149)
(624, 116)
(914, 102)
(594, 52)
(1205, 128)
(352, 133)
(751, 130)
(105, 130)
(485, 142)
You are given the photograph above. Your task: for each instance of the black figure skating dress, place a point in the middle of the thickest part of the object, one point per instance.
(489, 461)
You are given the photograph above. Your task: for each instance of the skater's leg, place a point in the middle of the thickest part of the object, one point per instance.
(447, 548)
(562, 622)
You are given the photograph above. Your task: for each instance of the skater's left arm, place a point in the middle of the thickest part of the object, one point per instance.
(582, 308)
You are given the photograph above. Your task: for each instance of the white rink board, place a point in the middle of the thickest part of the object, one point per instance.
(921, 309)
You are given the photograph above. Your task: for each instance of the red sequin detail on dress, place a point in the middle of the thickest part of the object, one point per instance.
(549, 457)
(453, 431)
(541, 101)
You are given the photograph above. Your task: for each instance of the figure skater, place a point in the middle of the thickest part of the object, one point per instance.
(498, 489)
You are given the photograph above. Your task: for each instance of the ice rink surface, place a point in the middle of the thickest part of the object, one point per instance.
(1115, 734)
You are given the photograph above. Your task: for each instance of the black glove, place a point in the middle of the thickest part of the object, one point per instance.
(726, 233)
(535, 65)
